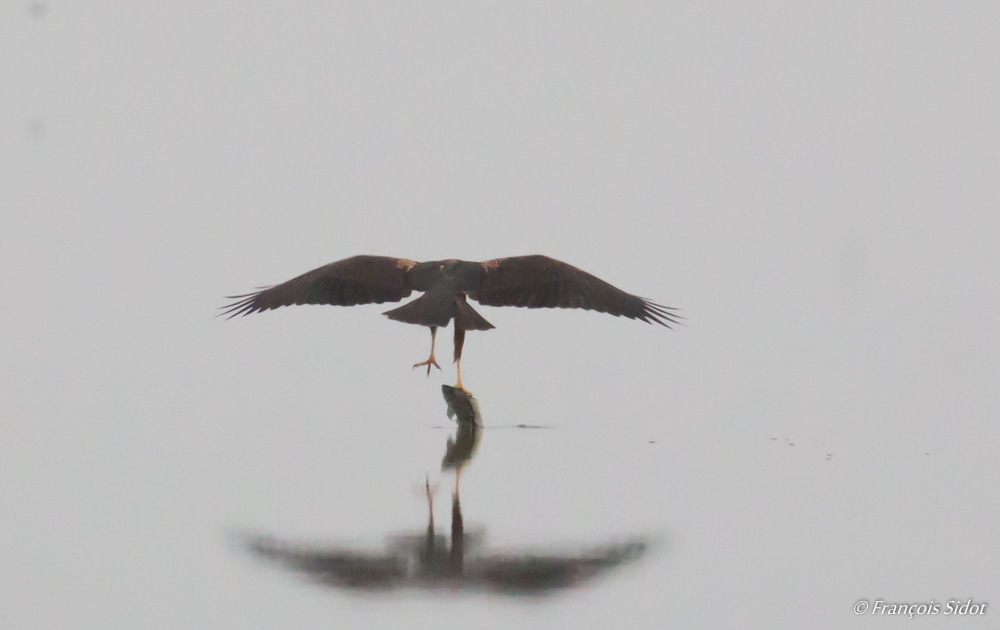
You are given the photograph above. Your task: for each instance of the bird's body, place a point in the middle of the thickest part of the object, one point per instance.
(527, 281)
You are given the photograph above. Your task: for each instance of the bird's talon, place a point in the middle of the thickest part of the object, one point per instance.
(429, 362)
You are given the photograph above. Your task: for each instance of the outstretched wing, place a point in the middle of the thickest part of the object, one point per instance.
(356, 280)
(543, 282)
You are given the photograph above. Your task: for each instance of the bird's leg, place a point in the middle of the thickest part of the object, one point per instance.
(459, 342)
(430, 360)
(430, 494)
(430, 504)
(429, 541)
(457, 554)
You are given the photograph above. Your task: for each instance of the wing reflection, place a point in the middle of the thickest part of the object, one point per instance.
(426, 560)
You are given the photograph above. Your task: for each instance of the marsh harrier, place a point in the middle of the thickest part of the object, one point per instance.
(528, 281)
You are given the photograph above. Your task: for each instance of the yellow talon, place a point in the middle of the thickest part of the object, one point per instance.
(429, 362)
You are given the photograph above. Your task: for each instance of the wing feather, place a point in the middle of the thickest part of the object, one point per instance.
(543, 282)
(355, 280)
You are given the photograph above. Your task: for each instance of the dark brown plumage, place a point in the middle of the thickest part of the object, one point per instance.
(526, 281)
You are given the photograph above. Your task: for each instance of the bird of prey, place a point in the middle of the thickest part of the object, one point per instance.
(528, 281)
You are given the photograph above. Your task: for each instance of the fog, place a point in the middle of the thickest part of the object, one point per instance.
(815, 187)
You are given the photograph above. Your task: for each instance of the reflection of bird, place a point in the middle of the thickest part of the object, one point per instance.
(425, 560)
(530, 281)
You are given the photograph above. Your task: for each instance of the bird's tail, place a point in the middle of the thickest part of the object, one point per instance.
(427, 310)
(468, 319)
(433, 309)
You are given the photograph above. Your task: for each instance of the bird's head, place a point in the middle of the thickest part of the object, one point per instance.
(451, 275)
(451, 267)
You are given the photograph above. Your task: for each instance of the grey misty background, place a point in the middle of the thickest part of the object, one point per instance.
(815, 186)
